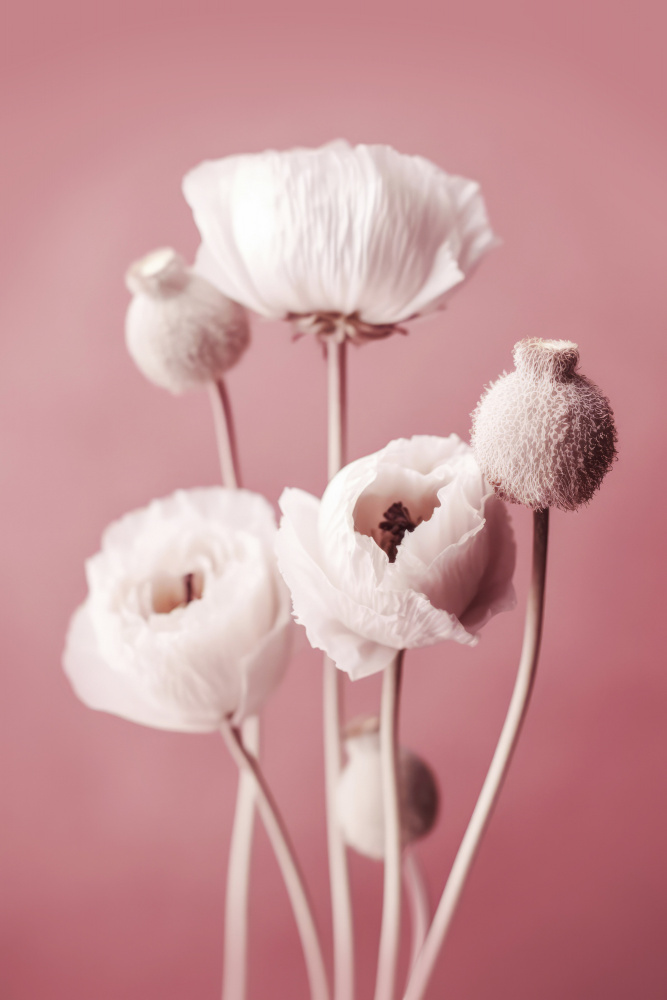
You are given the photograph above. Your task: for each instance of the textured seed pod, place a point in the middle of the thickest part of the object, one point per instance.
(543, 434)
(359, 794)
(180, 330)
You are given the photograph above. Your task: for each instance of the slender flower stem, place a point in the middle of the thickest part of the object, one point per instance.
(225, 435)
(390, 931)
(234, 970)
(435, 938)
(235, 956)
(418, 901)
(286, 858)
(341, 903)
(337, 398)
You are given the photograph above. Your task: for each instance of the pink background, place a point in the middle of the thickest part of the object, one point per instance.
(114, 837)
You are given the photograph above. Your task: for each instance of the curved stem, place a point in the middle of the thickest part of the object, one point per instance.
(235, 954)
(418, 901)
(391, 905)
(435, 938)
(235, 962)
(286, 858)
(341, 903)
(224, 433)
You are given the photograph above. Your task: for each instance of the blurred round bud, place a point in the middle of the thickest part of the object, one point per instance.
(359, 794)
(544, 435)
(180, 330)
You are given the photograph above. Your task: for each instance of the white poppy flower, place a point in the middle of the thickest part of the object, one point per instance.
(187, 620)
(407, 547)
(348, 240)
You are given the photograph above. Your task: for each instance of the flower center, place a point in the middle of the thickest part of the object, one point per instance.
(396, 522)
(171, 592)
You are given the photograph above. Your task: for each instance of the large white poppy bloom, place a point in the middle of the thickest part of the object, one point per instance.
(363, 233)
(407, 547)
(187, 620)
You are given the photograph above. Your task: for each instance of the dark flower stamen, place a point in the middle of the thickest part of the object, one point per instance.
(170, 592)
(396, 522)
(189, 580)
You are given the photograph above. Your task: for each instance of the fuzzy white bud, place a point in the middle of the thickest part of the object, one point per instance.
(359, 797)
(543, 434)
(180, 329)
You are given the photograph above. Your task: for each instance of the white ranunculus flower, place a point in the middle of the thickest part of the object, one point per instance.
(348, 240)
(407, 547)
(187, 619)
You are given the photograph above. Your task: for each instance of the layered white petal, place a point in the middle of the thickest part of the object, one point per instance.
(352, 230)
(119, 692)
(264, 666)
(209, 190)
(450, 574)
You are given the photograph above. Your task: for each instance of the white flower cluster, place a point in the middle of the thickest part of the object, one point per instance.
(189, 618)
(186, 622)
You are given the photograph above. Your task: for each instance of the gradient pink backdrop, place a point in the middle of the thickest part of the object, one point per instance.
(114, 837)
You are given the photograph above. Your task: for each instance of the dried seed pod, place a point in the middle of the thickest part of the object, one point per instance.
(180, 329)
(543, 434)
(359, 794)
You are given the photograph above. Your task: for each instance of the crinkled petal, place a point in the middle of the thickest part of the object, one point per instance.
(495, 592)
(411, 470)
(209, 190)
(351, 561)
(458, 555)
(354, 230)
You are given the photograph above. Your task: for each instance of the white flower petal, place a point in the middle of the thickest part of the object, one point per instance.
(209, 191)
(102, 687)
(495, 592)
(263, 669)
(313, 596)
(359, 230)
